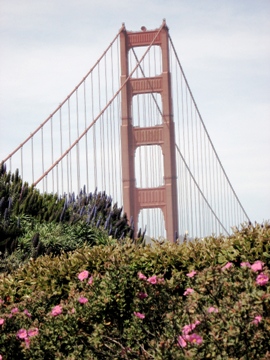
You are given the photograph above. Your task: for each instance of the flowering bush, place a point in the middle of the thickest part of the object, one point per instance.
(197, 300)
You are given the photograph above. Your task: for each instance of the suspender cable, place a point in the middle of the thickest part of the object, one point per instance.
(184, 146)
(192, 165)
(22, 161)
(101, 136)
(109, 154)
(70, 157)
(118, 117)
(86, 139)
(52, 159)
(94, 134)
(198, 175)
(113, 125)
(61, 147)
(32, 158)
(68, 188)
(10, 164)
(42, 155)
(57, 178)
(78, 145)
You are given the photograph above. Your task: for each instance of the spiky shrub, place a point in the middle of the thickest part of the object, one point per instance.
(21, 204)
(97, 209)
(17, 197)
(201, 300)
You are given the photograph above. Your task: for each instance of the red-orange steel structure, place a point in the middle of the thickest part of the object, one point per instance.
(165, 196)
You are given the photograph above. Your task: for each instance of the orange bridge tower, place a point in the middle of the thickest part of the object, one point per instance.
(163, 135)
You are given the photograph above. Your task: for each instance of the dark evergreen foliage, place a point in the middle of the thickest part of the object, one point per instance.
(24, 210)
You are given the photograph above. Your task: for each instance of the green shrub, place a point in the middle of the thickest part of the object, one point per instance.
(191, 301)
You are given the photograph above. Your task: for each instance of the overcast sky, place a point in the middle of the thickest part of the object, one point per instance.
(46, 48)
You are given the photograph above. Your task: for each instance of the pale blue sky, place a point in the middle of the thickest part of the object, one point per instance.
(46, 47)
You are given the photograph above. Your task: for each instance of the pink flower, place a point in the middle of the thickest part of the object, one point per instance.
(1, 358)
(245, 264)
(32, 332)
(142, 295)
(14, 310)
(27, 313)
(257, 319)
(227, 266)
(181, 341)
(212, 309)
(2, 321)
(139, 315)
(192, 273)
(82, 300)
(90, 281)
(57, 310)
(72, 311)
(194, 338)
(188, 291)
(1, 302)
(257, 266)
(141, 276)
(188, 328)
(22, 334)
(83, 275)
(262, 279)
(152, 280)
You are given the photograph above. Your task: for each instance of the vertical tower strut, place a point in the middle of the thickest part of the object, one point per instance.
(165, 196)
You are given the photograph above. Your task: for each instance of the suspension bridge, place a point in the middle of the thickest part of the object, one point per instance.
(132, 128)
